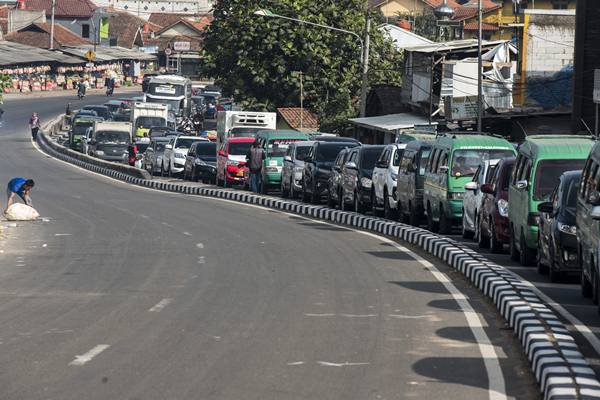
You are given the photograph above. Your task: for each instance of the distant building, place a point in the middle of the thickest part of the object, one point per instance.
(78, 16)
(144, 8)
(296, 118)
(38, 35)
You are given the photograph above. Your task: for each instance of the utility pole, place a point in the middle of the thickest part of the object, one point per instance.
(479, 68)
(301, 101)
(52, 25)
(365, 70)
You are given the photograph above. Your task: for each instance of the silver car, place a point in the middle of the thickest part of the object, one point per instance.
(473, 198)
(153, 155)
(293, 165)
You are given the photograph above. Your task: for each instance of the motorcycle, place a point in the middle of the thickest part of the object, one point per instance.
(80, 93)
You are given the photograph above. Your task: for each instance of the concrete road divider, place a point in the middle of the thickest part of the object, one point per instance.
(559, 367)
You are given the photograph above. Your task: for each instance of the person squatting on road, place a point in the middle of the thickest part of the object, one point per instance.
(254, 160)
(34, 125)
(20, 187)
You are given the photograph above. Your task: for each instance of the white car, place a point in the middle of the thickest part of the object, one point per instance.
(173, 160)
(85, 147)
(474, 197)
(385, 175)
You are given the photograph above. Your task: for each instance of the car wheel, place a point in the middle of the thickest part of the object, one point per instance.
(541, 267)
(466, 234)
(445, 224)
(376, 210)
(431, 224)
(514, 253)
(413, 217)
(285, 193)
(586, 286)
(358, 205)
(527, 256)
(388, 211)
(495, 245)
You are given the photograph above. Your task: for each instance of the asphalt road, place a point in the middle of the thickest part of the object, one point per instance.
(127, 293)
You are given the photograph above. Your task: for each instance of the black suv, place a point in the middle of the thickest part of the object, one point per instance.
(317, 168)
(357, 176)
(557, 247)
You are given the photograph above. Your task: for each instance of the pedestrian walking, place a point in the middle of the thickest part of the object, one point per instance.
(34, 125)
(254, 160)
(132, 151)
(20, 187)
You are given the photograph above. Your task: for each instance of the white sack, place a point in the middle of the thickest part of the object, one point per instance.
(21, 212)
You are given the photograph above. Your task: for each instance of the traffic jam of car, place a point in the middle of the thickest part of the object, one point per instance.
(538, 200)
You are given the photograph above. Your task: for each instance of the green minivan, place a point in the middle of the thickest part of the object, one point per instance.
(275, 144)
(540, 162)
(454, 159)
(588, 225)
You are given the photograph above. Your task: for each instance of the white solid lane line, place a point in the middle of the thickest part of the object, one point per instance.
(84, 358)
(160, 305)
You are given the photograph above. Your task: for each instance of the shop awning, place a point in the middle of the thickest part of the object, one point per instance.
(17, 54)
(104, 53)
(391, 123)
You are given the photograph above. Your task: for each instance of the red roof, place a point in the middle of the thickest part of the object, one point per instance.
(38, 35)
(469, 10)
(165, 19)
(63, 8)
(474, 26)
(291, 115)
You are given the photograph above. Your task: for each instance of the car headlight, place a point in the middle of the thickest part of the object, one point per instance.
(179, 155)
(366, 183)
(569, 229)
(503, 207)
(394, 176)
(456, 195)
(99, 152)
(198, 161)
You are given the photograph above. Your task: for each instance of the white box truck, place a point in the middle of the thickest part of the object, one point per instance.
(147, 115)
(110, 140)
(243, 124)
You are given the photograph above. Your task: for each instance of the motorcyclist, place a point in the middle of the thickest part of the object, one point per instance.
(81, 87)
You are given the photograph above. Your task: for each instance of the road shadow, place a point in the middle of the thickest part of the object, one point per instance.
(420, 286)
(458, 333)
(445, 304)
(392, 255)
(467, 371)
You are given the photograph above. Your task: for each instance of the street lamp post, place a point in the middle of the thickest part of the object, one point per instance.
(479, 69)
(363, 54)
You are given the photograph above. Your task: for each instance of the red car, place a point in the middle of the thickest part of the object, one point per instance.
(493, 217)
(231, 161)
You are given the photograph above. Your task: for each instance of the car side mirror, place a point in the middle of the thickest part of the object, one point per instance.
(594, 198)
(522, 185)
(351, 165)
(287, 159)
(444, 169)
(471, 186)
(169, 146)
(546, 207)
(595, 214)
(487, 188)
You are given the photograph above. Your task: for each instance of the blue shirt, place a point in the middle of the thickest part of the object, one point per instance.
(16, 185)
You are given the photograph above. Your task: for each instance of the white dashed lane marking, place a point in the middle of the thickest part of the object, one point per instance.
(87, 357)
(160, 305)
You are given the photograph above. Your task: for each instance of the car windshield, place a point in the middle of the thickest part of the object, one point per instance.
(172, 104)
(81, 127)
(242, 132)
(570, 195)
(278, 147)
(239, 149)
(112, 137)
(369, 157)
(423, 160)
(206, 149)
(466, 162)
(328, 152)
(301, 152)
(184, 143)
(148, 122)
(548, 174)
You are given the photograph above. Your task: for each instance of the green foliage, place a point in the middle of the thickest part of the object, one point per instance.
(253, 58)
(5, 82)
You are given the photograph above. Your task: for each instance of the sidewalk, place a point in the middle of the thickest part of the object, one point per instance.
(73, 92)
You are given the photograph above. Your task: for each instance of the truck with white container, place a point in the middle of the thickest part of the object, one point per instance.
(110, 140)
(242, 124)
(147, 115)
(173, 90)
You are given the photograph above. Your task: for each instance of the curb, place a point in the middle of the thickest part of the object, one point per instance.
(559, 367)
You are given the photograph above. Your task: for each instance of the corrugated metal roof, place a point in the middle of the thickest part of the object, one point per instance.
(12, 53)
(391, 122)
(104, 53)
(452, 45)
